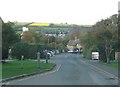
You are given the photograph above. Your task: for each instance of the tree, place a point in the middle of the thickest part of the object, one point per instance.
(32, 36)
(9, 37)
(27, 36)
(21, 49)
(103, 38)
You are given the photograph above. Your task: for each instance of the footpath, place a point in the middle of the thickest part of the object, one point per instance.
(101, 66)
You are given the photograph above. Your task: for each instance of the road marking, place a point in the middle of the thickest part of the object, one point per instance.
(59, 68)
(102, 71)
(56, 70)
(105, 72)
(5, 83)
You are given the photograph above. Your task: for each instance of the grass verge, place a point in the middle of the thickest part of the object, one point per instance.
(0, 70)
(15, 68)
(112, 64)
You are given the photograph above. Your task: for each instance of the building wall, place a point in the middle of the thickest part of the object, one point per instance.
(70, 47)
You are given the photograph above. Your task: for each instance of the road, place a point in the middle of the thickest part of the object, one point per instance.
(71, 70)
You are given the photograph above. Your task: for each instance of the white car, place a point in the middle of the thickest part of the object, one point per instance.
(52, 53)
(70, 51)
(49, 54)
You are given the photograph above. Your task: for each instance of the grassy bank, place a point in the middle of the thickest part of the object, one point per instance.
(15, 68)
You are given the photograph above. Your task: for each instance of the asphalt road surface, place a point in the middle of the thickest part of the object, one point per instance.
(71, 70)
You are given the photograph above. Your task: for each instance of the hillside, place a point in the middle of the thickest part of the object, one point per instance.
(49, 27)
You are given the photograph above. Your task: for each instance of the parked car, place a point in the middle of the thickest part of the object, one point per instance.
(49, 55)
(52, 53)
(44, 54)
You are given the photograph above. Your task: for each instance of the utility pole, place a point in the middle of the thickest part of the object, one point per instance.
(55, 41)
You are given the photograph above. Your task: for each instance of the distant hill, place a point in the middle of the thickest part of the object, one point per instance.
(49, 27)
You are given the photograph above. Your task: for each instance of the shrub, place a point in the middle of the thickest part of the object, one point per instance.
(20, 49)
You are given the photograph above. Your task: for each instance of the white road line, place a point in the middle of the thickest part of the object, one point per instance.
(5, 83)
(56, 70)
(105, 72)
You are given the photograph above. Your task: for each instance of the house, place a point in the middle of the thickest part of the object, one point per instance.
(1, 21)
(74, 44)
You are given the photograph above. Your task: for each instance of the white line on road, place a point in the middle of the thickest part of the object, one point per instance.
(105, 72)
(56, 70)
(101, 70)
(5, 83)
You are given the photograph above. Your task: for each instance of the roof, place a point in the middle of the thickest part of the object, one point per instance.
(1, 20)
(73, 42)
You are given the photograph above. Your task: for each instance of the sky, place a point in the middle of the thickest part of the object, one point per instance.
(83, 12)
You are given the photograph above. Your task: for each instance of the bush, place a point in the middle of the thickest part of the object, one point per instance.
(20, 49)
(37, 48)
(33, 52)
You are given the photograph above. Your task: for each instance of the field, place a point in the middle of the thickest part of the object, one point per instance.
(39, 24)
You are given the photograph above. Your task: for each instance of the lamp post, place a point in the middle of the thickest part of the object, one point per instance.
(22, 57)
(55, 41)
(46, 56)
(38, 58)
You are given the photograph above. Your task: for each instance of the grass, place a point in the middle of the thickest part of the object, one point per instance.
(14, 68)
(0, 70)
(114, 65)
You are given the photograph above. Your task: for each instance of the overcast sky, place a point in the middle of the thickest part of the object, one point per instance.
(57, 11)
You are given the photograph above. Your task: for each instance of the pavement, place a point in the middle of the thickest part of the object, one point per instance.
(102, 66)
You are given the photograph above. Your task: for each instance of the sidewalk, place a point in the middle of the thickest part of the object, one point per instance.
(102, 66)
(105, 68)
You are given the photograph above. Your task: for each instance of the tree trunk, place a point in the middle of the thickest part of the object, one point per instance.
(107, 52)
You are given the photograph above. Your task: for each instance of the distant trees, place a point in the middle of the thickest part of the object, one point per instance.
(31, 36)
(9, 37)
(103, 38)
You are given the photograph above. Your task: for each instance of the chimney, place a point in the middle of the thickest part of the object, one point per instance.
(75, 38)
